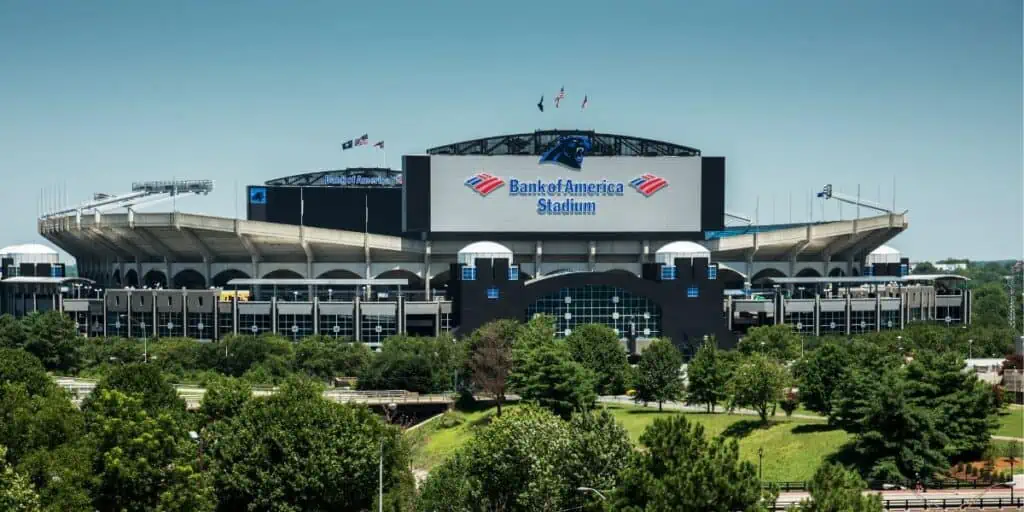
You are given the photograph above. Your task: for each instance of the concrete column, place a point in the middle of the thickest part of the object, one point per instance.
(426, 269)
(537, 259)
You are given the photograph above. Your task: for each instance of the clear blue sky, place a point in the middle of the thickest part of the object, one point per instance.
(796, 94)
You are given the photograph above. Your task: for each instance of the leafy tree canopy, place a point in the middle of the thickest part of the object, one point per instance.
(598, 349)
(295, 451)
(657, 374)
(681, 470)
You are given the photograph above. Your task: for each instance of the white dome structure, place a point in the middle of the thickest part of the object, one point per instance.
(484, 250)
(884, 254)
(30, 253)
(681, 249)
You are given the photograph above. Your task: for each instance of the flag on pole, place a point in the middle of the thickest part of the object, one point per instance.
(540, 104)
(346, 145)
(560, 97)
(362, 141)
(584, 105)
(379, 145)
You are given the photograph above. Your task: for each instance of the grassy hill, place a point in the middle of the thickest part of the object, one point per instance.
(793, 448)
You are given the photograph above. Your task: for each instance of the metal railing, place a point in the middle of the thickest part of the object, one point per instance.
(938, 503)
(946, 483)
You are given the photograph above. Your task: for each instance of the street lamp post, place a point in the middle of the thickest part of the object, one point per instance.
(760, 465)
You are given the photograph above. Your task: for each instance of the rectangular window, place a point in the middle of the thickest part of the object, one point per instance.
(692, 292)
(668, 273)
(869, 270)
(492, 293)
(712, 272)
(904, 269)
(513, 273)
(469, 273)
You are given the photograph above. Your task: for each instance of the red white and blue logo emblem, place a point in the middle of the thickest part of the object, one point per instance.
(484, 183)
(648, 184)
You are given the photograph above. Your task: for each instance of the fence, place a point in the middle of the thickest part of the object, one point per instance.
(948, 483)
(939, 504)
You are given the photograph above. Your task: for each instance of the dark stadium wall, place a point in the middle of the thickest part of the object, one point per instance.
(685, 320)
(341, 208)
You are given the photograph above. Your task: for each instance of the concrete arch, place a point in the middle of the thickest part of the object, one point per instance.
(282, 273)
(415, 281)
(189, 278)
(731, 279)
(808, 272)
(221, 279)
(339, 273)
(131, 278)
(836, 272)
(760, 278)
(155, 278)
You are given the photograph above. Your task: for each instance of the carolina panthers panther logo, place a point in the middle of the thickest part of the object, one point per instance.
(568, 152)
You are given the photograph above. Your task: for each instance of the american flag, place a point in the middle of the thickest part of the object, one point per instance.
(648, 184)
(584, 105)
(362, 141)
(560, 96)
(484, 183)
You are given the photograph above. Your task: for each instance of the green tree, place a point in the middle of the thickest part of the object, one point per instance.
(16, 492)
(776, 341)
(246, 352)
(819, 373)
(896, 438)
(758, 384)
(53, 338)
(143, 380)
(657, 375)
(547, 375)
(966, 405)
(12, 332)
(991, 306)
(30, 422)
(421, 364)
(925, 268)
(295, 451)
(63, 475)
(490, 358)
(530, 460)
(707, 376)
(598, 349)
(18, 366)
(854, 393)
(538, 330)
(140, 457)
(327, 357)
(834, 488)
(681, 470)
(224, 399)
(599, 450)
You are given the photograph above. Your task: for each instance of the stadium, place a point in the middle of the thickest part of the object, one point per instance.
(586, 226)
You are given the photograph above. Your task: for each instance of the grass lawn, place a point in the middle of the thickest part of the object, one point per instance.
(1011, 422)
(793, 448)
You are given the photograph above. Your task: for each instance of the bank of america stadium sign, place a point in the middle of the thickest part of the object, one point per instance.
(565, 196)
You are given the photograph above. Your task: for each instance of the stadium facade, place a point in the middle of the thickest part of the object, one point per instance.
(589, 227)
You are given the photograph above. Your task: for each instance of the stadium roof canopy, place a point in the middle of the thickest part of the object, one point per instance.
(327, 177)
(536, 143)
(864, 279)
(184, 237)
